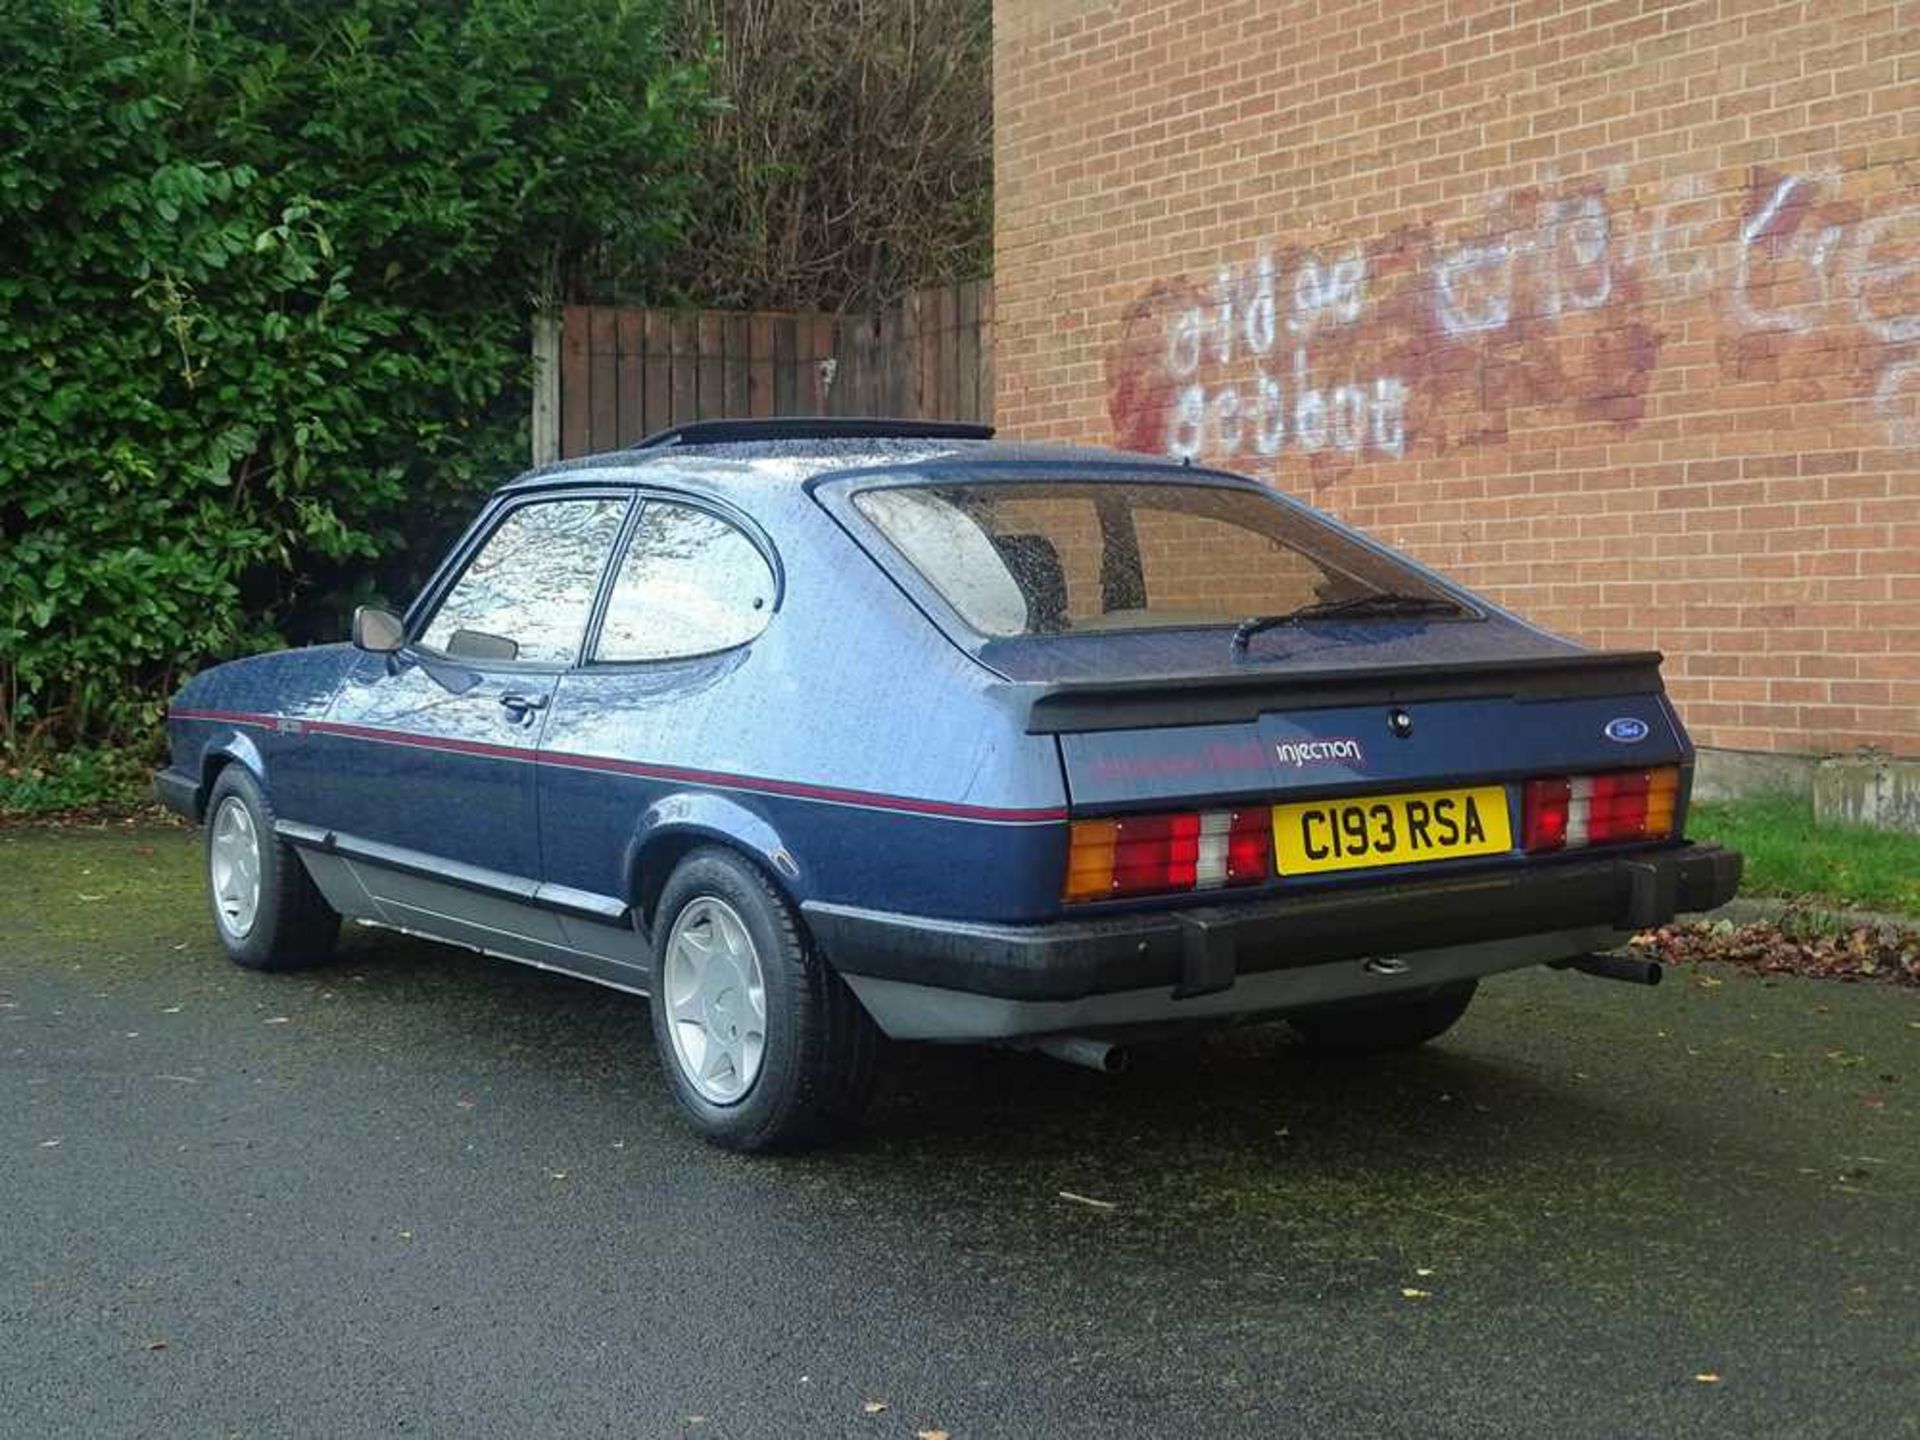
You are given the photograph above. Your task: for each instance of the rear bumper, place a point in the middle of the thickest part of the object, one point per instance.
(1557, 910)
(179, 793)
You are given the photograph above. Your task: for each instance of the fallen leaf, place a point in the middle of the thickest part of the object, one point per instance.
(1088, 1200)
(92, 897)
(556, 1174)
(50, 1144)
(1707, 1377)
(156, 1344)
(929, 1435)
(1423, 1270)
(276, 1020)
(874, 1407)
(171, 1009)
(1408, 1292)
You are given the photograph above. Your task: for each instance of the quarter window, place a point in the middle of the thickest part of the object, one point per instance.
(689, 584)
(526, 594)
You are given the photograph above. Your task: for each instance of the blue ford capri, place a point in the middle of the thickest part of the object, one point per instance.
(818, 731)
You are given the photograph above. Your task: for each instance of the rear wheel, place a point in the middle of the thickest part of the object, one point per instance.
(1369, 1027)
(763, 1045)
(266, 909)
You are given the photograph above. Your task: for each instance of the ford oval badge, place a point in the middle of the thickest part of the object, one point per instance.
(1627, 729)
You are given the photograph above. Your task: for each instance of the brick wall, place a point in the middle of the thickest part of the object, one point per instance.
(1611, 311)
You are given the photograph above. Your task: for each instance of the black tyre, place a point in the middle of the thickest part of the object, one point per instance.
(763, 1045)
(1369, 1027)
(266, 910)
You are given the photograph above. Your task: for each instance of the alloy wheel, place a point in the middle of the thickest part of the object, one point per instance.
(233, 863)
(716, 998)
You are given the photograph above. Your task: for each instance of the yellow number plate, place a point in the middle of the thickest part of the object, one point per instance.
(1390, 829)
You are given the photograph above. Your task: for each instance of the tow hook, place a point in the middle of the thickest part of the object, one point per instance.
(1614, 967)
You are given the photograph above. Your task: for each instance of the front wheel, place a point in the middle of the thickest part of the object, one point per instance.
(763, 1045)
(266, 909)
(1369, 1027)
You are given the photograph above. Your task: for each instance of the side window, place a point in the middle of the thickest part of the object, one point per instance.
(525, 595)
(689, 584)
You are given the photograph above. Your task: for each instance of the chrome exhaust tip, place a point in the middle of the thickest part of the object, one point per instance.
(1089, 1054)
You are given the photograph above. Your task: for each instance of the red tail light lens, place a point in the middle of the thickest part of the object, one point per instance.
(1250, 846)
(1163, 854)
(1155, 852)
(1574, 811)
(1543, 816)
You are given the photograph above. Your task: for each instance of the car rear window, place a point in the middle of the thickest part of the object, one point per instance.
(1042, 559)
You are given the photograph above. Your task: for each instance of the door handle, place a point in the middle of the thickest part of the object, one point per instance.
(523, 708)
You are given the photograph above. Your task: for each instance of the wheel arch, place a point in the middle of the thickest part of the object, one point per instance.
(679, 823)
(231, 747)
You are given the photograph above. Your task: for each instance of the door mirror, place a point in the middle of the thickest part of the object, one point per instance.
(378, 631)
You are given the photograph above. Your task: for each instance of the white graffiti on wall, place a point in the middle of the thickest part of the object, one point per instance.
(1281, 402)
(1816, 247)
(1265, 360)
(1568, 255)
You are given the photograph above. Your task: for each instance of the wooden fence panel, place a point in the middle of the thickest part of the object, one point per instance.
(576, 434)
(624, 373)
(822, 372)
(631, 359)
(760, 366)
(988, 375)
(886, 364)
(966, 351)
(711, 394)
(685, 329)
(657, 389)
(736, 398)
(603, 375)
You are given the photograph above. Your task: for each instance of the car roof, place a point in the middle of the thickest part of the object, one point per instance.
(753, 458)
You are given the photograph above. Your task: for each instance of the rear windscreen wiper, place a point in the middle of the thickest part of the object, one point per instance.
(1379, 602)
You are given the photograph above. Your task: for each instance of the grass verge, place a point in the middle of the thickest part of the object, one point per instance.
(1789, 853)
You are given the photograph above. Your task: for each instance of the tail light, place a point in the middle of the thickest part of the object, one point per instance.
(1571, 812)
(1167, 854)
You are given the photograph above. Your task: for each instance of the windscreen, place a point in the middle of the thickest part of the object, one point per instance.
(1053, 558)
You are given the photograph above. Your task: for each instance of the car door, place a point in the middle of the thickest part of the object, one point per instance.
(433, 747)
(654, 708)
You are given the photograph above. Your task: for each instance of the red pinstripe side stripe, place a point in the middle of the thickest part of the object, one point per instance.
(797, 789)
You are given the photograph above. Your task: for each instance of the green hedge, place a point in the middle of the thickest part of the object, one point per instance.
(265, 278)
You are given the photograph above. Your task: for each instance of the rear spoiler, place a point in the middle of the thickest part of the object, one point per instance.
(1214, 699)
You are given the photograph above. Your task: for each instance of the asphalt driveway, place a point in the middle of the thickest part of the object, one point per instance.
(424, 1193)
